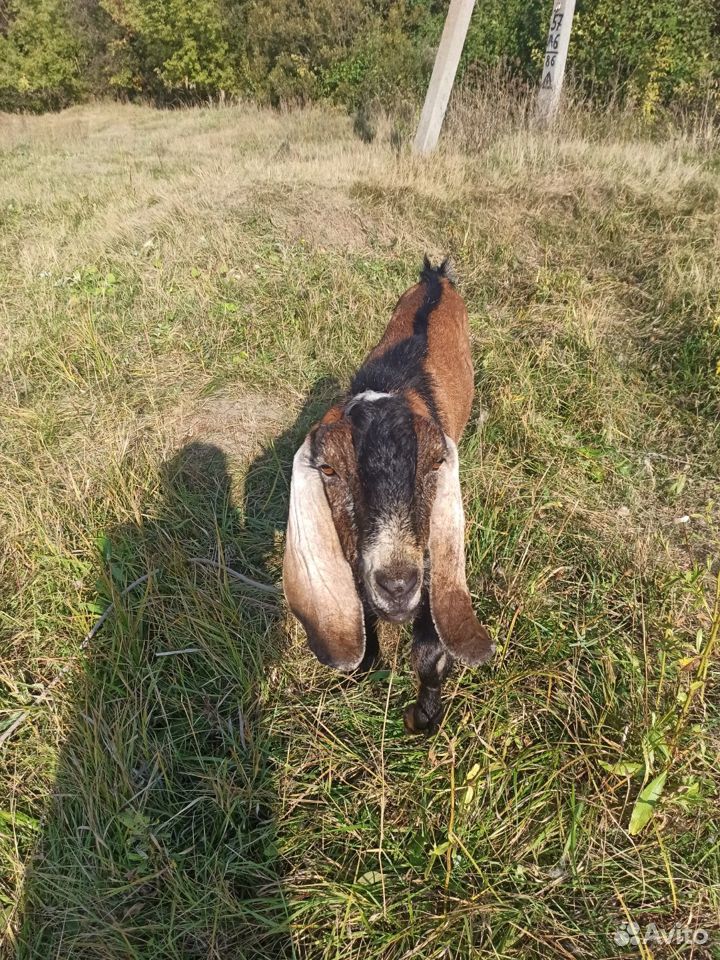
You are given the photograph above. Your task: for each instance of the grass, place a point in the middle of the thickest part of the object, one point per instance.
(181, 294)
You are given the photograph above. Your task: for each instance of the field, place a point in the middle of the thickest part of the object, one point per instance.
(181, 295)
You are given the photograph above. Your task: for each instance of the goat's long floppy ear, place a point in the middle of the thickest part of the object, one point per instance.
(450, 602)
(317, 579)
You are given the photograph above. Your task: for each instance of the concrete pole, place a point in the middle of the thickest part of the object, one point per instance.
(443, 75)
(556, 51)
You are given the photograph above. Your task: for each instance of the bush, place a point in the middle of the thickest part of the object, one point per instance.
(384, 65)
(170, 49)
(41, 57)
(55, 52)
(651, 51)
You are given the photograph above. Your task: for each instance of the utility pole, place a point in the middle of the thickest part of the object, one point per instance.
(556, 51)
(443, 75)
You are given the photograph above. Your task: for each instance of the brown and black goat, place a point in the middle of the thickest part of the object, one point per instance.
(376, 525)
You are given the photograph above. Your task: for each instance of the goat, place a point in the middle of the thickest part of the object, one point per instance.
(376, 527)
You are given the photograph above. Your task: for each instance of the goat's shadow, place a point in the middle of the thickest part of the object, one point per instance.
(161, 838)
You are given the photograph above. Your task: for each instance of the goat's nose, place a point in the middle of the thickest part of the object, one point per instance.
(397, 587)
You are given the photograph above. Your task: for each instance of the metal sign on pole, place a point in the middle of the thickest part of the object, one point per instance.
(443, 75)
(556, 52)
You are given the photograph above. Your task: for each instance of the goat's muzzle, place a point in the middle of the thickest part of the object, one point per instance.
(395, 593)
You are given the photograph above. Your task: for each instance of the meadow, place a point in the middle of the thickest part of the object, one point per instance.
(181, 294)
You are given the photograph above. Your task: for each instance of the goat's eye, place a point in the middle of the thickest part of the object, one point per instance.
(327, 469)
(436, 464)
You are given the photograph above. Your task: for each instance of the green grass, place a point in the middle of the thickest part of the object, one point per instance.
(181, 295)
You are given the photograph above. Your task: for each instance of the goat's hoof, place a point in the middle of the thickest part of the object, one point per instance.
(417, 721)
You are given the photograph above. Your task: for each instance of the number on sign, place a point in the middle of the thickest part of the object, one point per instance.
(556, 50)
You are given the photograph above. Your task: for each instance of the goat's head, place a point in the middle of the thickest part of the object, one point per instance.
(376, 491)
(378, 465)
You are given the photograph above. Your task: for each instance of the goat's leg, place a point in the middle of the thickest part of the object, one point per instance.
(372, 644)
(432, 664)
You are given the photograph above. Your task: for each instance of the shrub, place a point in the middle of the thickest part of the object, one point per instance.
(53, 52)
(651, 51)
(170, 49)
(384, 66)
(41, 56)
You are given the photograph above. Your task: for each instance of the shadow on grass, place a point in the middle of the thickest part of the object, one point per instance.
(160, 840)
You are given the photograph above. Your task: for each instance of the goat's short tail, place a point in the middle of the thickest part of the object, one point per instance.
(430, 274)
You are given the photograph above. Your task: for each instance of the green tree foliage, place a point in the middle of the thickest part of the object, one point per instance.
(54, 52)
(507, 31)
(170, 48)
(42, 56)
(291, 46)
(388, 61)
(652, 51)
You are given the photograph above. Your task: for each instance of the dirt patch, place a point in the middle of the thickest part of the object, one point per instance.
(239, 426)
(327, 220)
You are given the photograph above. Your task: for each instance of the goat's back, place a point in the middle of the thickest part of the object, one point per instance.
(434, 309)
